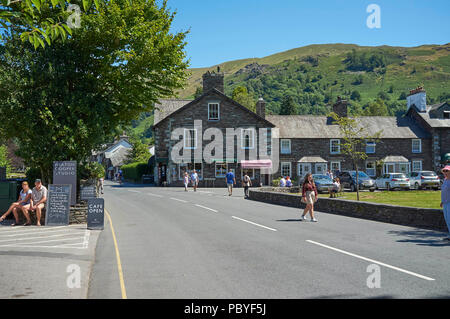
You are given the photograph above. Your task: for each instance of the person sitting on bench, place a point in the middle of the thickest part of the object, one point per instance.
(22, 204)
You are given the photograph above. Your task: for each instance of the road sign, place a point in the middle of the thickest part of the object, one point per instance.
(96, 213)
(58, 205)
(65, 172)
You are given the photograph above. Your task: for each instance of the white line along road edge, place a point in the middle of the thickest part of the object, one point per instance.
(371, 260)
(204, 207)
(247, 221)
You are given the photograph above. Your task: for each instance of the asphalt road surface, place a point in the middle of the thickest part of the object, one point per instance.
(177, 244)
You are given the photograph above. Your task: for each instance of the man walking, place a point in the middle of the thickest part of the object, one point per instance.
(194, 180)
(231, 180)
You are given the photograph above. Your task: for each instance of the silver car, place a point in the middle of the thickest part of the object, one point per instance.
(424, 179)
(392, 181)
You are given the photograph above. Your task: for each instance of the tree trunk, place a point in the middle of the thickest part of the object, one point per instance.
(357, 181)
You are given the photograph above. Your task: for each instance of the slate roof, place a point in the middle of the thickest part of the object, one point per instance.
(311, 126)
(167, 107)
(312, 159)
(119, 156)
(429, 117)
(393, 158)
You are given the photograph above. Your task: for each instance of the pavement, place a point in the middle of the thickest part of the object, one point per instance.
(46, 262)
(168, 243)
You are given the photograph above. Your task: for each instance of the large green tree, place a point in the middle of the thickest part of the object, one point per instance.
(288, 106)
(66, 99)
(241, 95)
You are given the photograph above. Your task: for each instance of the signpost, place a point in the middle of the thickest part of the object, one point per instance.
(96, 213)
(65, 172)
(88, 192)
(58, 205)
(2, 173)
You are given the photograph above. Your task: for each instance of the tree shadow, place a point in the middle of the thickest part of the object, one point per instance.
(421, 237)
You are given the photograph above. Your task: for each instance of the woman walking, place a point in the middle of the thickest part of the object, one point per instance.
(445, 198)
(186, 181)
(309, 196)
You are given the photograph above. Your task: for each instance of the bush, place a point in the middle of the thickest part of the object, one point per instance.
(276, 182)
(134, 171)
(91, 170)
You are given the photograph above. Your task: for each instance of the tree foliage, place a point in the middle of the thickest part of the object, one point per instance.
(4, 160)
(288, 106)
(241, 95)
(66, 99)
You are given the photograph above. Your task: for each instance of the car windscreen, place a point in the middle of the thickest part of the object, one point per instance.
(398, 176)
(360, 174)
(428, 174)
(321, 177)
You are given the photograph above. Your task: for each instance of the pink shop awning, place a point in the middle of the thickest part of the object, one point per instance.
(257, 164)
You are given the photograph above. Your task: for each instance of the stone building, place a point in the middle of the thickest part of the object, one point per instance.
(306, 143)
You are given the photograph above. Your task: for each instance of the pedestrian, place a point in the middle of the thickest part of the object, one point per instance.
(309, 196)
(101, 181)
(282, 182)
(445, 198)
(194, 180)
(231, 180)
(247, 182)
(335, 188)
(330, 174)
(186, 181)
(288, 181)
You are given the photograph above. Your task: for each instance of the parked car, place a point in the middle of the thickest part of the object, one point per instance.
(393, 181)
(348, 180)
(424, 179)
(323, 182)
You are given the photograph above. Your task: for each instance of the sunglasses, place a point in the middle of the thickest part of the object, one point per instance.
(445, 171)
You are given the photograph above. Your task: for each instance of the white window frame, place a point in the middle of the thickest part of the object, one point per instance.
(290, 168)
(185, 139)
(374, 168)
(200, 175)
(252, 176)
(338, 145)
(412, 166)
(325, 165)
(334, 162)
(407, 168)
(209, 111)
(420, 146)
(385, 168)
(302, 166)
(371, 144)
(252, 140)
(281, 146)
(215, 169)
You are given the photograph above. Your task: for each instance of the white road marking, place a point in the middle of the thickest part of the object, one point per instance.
(18, 229)
(43, 231)
(134, 191)
(156, 195)
(371, 260)
(204, 207)
(80, 239)
(86, 238)
(179, 200)
(40, 237)
(206, 192)
(28, 246)
(247, 221)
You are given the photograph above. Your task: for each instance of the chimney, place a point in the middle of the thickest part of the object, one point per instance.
(213, 80)
(261, 107)
(417, 97)
(340, 107)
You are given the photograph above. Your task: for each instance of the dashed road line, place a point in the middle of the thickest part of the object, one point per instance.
(247, 221)
(204, 207)
(179, 200)
(156, 195)
(130, 190)
(371, 260)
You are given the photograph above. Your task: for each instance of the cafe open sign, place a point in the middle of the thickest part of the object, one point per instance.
(96, 213)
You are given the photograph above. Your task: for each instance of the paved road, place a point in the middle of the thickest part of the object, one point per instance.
(206, 244)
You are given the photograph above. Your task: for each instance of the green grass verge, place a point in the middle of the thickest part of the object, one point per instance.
(421, 199)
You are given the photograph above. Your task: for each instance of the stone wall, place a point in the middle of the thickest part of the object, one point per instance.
(407, 216)
(78, 215)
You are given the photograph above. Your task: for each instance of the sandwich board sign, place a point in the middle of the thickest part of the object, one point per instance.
(65, 172)
(96, 213)
(58, 205)
(88, 192)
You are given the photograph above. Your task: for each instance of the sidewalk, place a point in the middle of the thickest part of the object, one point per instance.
(46, 262)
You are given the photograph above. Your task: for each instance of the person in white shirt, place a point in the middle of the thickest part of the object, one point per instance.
(22, 204)
(194, 180)
(282, 182)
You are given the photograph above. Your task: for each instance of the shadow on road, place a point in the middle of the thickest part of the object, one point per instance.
(289, 220)
(421, 237)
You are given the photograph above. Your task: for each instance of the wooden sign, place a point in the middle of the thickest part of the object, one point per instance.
(58, 205)
(96, 213)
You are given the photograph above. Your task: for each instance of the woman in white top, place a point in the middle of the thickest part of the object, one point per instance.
(23, 202)
(186, 181)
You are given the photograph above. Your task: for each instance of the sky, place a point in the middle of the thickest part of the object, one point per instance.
(225, 30)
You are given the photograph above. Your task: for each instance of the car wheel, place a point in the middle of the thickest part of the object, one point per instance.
(372, 190)
(388, 186)
(416, 186)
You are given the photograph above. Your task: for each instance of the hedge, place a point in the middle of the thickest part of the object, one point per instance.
(134, 171)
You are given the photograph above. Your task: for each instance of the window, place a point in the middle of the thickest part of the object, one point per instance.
(389, 168)
(303, 169)
(221, 169)
(321, 168)
(285, 146)
(370, 147)
(416, 166)
(189, 168)
(249, 171)
(416, 146)
(190, 138)
(447, 115)
(248, 138)
(335, 166)
(335, 146)
(403, 168)
(213, 111)
(371, 168)
(285, 169)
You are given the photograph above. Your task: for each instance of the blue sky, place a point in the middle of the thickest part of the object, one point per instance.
(224, 30)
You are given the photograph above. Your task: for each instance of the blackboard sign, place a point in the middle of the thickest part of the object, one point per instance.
(96, 213)
(2, 173)
(58, 205)
(88, 192)
(66, 173)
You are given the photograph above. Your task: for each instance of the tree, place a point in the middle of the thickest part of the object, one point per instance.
(353, 141)
(241, 95)
(198, 92)
(355, 96)
(377, 108)
(4, 160)
(402, 96)
(74, 94)
(139, 152)
(288, 106)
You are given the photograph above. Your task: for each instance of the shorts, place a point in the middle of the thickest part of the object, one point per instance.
(230, 185)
